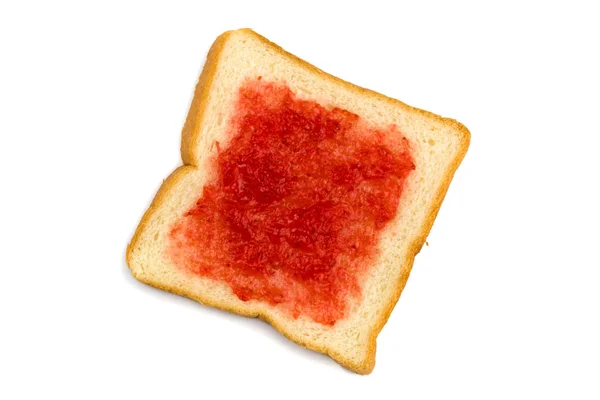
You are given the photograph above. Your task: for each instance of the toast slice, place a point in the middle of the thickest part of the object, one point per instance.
(324, 258)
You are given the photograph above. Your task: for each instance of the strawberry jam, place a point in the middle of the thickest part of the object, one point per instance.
(301, 196)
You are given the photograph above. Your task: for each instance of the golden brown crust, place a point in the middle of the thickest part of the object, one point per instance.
(417, 244)
(196, 112)
(154, 206)
(190, 136)
(346, 363)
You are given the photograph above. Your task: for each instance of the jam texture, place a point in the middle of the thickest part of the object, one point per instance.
(301, 196)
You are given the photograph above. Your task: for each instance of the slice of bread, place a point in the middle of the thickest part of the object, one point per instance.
(437, 146)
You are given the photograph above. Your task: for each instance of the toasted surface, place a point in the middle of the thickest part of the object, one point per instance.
(437, 145)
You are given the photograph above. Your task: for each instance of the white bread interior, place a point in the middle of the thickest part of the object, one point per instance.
(437, 145)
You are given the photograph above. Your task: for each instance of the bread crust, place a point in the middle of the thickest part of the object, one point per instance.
(190, 135)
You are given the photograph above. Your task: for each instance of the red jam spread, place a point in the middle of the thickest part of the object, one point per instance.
(301, 195)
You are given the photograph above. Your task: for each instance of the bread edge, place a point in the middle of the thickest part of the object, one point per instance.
(194, 120)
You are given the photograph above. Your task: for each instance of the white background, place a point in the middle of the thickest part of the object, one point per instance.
(504, 303)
